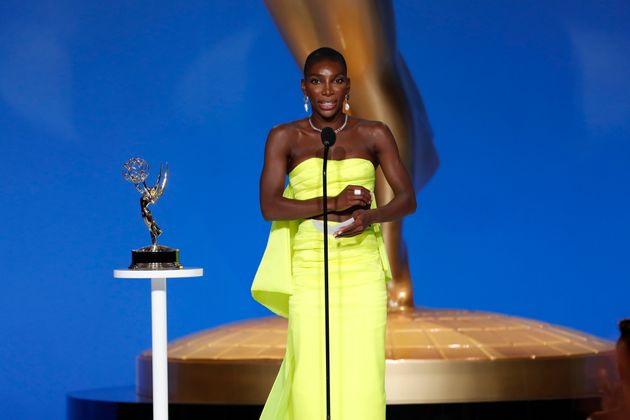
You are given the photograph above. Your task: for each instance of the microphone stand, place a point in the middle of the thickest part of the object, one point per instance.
(325, 200)
(329, 136)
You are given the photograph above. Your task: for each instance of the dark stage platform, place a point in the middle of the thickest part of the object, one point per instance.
(123, 404)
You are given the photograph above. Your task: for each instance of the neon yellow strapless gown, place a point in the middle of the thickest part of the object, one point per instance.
(290, 281)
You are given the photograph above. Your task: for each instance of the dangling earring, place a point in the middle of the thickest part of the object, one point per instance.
(305, 103)
(346, 105)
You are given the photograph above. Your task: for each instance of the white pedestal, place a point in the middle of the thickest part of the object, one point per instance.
(158, 327)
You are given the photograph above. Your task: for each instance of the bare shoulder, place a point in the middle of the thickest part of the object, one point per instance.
(281, 135)
(377, 132)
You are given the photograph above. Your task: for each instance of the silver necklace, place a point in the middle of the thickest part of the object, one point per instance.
(319, 130)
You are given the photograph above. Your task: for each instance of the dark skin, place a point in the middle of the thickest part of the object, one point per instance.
(326, 85)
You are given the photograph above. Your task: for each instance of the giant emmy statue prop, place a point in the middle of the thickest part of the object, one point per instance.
(433, 355)
(154, 256)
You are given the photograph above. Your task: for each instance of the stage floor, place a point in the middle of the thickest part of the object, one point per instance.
(123, 403)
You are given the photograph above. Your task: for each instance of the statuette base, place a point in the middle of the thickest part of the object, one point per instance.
(155, 258)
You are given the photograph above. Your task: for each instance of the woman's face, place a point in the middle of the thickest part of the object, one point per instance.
(326, 85)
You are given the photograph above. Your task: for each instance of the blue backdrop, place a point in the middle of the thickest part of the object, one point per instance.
(527, 215)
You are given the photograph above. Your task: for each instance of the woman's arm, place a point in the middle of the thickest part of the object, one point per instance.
(276, 207)
(404, 201)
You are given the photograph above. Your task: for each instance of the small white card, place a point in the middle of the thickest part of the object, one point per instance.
(332, 229)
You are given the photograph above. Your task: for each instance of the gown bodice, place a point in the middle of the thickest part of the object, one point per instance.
(306, 178)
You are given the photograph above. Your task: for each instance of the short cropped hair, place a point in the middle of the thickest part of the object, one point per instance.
(324, 53)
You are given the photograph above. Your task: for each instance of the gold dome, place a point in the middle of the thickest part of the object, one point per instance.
(433, 355)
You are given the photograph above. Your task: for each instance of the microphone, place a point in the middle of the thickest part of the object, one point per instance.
(328, 136)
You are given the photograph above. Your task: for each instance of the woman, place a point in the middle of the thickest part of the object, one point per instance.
(289, 280)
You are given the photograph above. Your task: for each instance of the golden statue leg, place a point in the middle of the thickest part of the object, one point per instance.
(382, 89)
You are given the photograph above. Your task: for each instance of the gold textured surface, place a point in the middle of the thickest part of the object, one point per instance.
(432, 356)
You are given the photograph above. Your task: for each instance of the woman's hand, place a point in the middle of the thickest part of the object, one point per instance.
(352, 196)
(363, 219)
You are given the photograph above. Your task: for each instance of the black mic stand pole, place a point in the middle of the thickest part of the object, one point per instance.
(325, 200)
